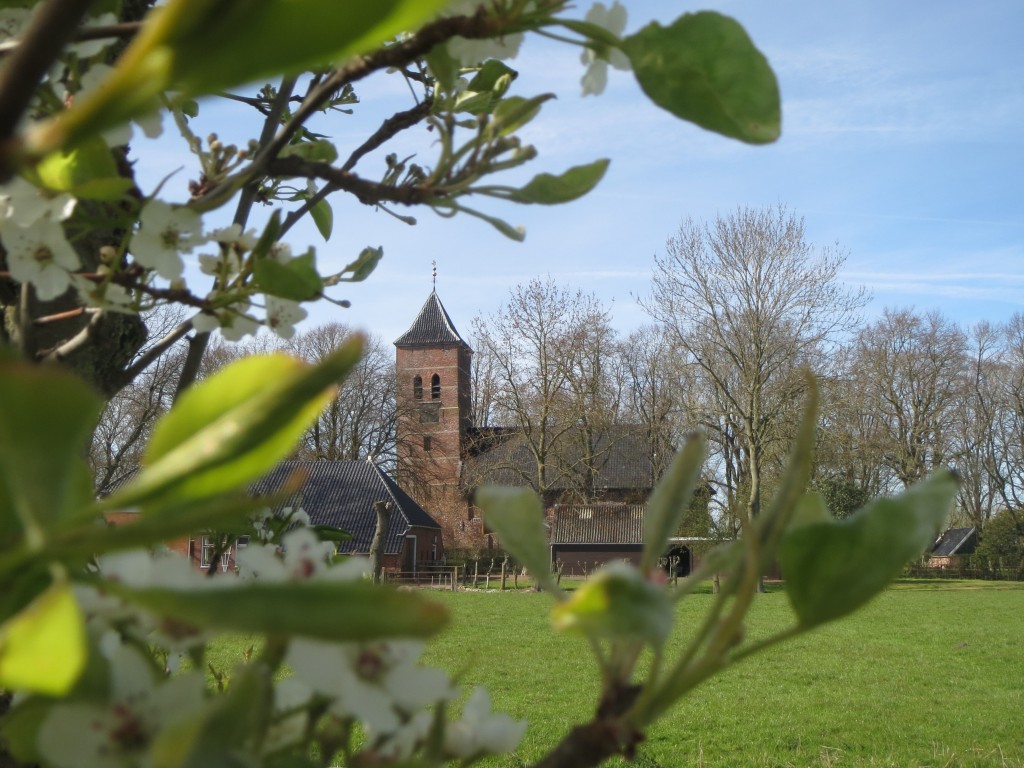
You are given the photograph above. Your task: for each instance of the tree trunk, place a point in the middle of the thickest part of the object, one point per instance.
(380, 536)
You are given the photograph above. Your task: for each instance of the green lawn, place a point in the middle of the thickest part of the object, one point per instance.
(930, 674)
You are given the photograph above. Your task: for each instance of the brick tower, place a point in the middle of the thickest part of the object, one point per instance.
(432, 364)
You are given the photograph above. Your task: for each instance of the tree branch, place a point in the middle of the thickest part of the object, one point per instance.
(367, 192)
(75, 343)
(51, 27)
(154, 352)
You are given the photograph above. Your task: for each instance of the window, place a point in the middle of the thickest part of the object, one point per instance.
(426, 442)
(435, 387)
(433, 549)
(208, 546)
(417, 387)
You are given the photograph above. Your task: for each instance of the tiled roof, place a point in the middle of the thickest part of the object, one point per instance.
(598, 524)
(341, 494)
(432, 326)
(623, 461)
(956, 541)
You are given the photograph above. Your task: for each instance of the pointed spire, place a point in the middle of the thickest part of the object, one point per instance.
(431, 327)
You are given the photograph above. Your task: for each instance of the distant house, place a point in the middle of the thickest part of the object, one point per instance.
(952, 546)
(585, 536)
(341, 494)
(336, 494)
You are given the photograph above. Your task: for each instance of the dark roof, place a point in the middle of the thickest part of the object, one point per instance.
(431, 327)
(956, 541)
(622, 462)
(341, 494)
(598, 524)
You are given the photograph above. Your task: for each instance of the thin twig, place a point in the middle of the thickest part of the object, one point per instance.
(123, 30)
(75, 343)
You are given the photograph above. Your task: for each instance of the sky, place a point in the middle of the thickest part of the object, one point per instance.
(901, 146)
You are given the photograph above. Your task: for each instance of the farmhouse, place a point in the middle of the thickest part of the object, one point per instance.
(952, 546)
(339, 495)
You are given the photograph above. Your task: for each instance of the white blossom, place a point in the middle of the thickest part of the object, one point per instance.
(41, 255)
(614, 20)
(302, 556)
(165, 233)
(481, 732)
(12, 22)
(88, 735)
(282, 315)
(370, 681)
(235, 326)
(23, 204)
(108, 296)
(470, 52)
(90, 48)
(233, 237)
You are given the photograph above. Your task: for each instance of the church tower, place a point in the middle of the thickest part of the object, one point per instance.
(432, 363)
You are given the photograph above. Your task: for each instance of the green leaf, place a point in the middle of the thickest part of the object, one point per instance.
(547, 189)
(270, 235)
(196, 47)
(344, 611)
(618, 603)
(494, 76)
(705, 69)
(107, 190)
(323, 217)
(513, 113)
(46, 417)
(295, 279)
(443, 66)
(316, 151)
(363, 267)
(517, 516)
(43, 648)
(669, 501)
(832, 568)
(156, 523)
(235, 426)
(240, 41)
(75, 168)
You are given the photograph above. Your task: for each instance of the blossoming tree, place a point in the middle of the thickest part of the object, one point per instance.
(94, 620)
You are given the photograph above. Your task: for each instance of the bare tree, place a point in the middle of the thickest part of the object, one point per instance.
(912, 371)
(1006, 450)
(360, 421)
(973, 439)
(658, 398)
(749, 303)
(125, 424)
(546, 367)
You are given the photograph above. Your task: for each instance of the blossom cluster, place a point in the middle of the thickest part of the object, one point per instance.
(400, 706)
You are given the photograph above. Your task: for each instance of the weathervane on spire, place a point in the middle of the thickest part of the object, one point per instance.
(433, 272)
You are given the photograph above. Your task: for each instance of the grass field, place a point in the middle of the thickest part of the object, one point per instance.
(930, 674)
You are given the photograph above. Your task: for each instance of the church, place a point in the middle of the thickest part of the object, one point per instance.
(442, 457)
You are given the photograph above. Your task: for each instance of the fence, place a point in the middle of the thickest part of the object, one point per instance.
(971, 567)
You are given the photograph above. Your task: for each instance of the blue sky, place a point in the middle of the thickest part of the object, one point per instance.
(902, 144)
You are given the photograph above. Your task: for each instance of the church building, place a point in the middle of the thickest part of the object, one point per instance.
(443, 456)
